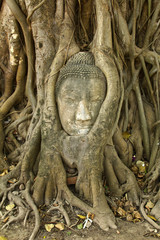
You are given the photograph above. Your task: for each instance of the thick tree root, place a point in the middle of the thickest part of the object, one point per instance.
(119, 178)
(63, 211)
(103, 215)
(153, 176)
(156, 210)
(22, 208)
(31, 203)
(155, 225)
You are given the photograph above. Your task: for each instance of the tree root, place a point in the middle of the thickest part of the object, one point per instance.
(13, 174)
(155, 225)
(21, 212)
(103, 215)
(63, 211)
(156, 209)
(122, 180)
(31, 203)
(153, 176)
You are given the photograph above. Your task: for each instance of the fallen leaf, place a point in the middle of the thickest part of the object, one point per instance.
(153, 218)
(126, 135)
(134, 169)
(13, 180)
(4, 173)
(11, 167)
(136, 220)
(141, 166)
(81, 216)
(136, 215)
(91, 216)
(10, 207)
(132, 209)
(127, 205)
(3, 238)
(129, 217)
(49, 227)
(5, 220)
(121, 212)
(141, 175)
(80, 226)
(149, 205)
(60, 226)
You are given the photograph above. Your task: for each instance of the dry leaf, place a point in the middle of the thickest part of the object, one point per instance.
(141, 166)
(136, 220)
(6, 219)
(4, 173)
(49, 227)
(149, 205)
(126, 135)
(11, 167)
(153, 218)
(13, 180)
(91, 216)
(134, 169)
(10, 207)
(141, 175)
(60, 226)
(132, 209)
(129, 217)
(137, 215)
(127, 205)
(81, 216)
(3, 238)
(121, 212)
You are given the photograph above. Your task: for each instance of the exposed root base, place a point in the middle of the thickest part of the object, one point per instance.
(156, 211)
(154, 224)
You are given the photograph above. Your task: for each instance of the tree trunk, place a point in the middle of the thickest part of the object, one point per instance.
(42, 38)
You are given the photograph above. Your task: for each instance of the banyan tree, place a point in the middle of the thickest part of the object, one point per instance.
(74, 77)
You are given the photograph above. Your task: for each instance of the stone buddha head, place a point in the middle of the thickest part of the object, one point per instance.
(80, 92)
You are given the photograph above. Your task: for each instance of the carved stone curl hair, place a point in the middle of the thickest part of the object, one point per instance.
(80, 65)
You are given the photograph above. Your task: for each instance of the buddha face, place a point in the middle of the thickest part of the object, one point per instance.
(79, 101)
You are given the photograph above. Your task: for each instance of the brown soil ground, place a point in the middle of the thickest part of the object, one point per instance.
(125, 231)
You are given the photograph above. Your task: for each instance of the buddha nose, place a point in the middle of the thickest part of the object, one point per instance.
(82, 113)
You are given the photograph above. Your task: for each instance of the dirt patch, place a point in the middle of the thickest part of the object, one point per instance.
(125, 230)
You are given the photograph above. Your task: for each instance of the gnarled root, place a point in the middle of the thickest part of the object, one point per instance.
(156, 209)
(103, 215)
(152, 182)
(62, 210)
(155, 225)
(119, 176)
(34, 208)
(22, 209)
(153, 176)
